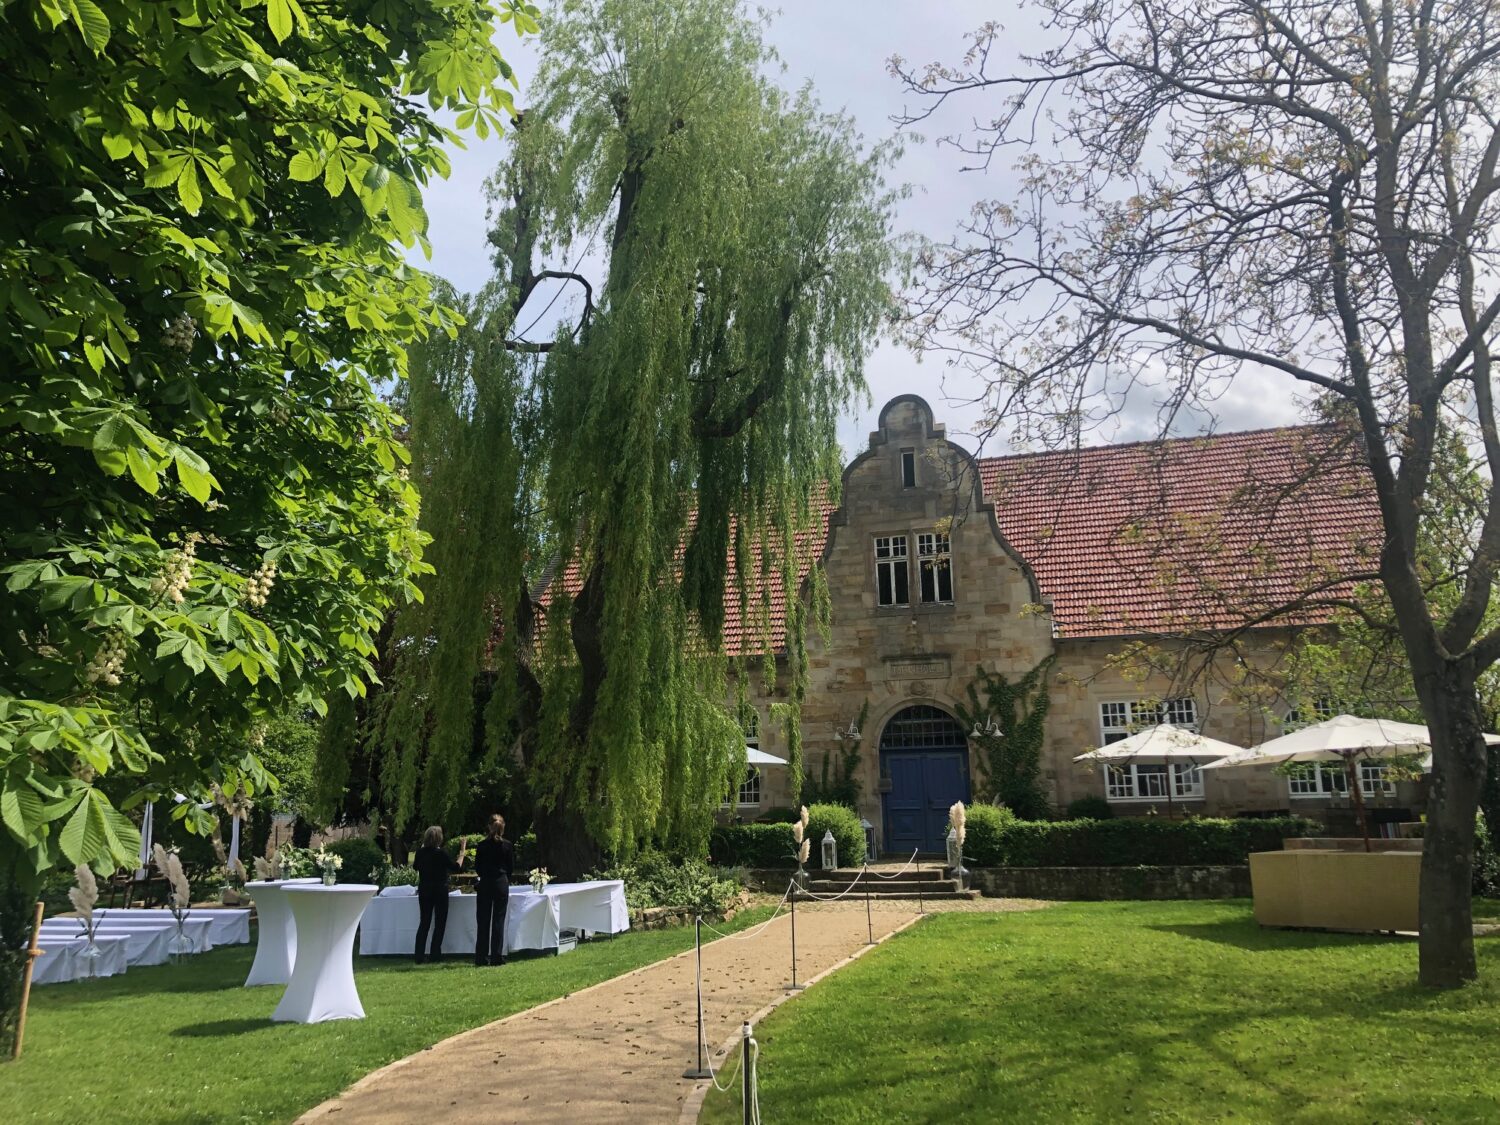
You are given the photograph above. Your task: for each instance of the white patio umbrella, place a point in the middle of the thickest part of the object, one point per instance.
(1164, 743)
(1343, 738)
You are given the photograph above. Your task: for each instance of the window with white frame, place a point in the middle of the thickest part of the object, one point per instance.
(1119, 719)
(749, 791)
(935, 567)
(891, 576)
(1146, 781)
(1297, 717)
(1328, 779)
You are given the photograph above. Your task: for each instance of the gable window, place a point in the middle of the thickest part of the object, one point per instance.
(935, 567)
(1146, 781)
(891, 577)
(1328, 779)
(908, 468)
(1119, 719)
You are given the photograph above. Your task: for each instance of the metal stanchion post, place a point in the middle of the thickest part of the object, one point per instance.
(869, 924)
(699, 1071)
(921, 904)
(794, 986)
(746, 1106)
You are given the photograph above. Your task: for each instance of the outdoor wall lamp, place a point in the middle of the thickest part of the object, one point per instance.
(852, 734)
(991, 729)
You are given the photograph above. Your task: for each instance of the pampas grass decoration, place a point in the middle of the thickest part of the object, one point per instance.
(171, 867)
(85, 894)
(957, 818)
(239, 871)
(262, 869)
(802, 852)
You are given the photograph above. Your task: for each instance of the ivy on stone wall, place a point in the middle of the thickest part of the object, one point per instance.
(836, 782)
(1011, 762)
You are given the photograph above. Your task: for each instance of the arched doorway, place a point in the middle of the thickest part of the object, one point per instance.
(925, 755)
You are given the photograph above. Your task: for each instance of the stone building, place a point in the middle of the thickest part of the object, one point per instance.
(1108, 568)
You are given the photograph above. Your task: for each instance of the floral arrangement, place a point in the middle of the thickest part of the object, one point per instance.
(538, 878)
(957, 817)
(401, 875)
(328, 863)
(268, 870)
(293, 862)
(83, 897)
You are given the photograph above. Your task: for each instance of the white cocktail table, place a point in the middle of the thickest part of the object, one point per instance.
(275, 934)
(322, 984)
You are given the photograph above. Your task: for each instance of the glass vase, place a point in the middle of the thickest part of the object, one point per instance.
(329, 878)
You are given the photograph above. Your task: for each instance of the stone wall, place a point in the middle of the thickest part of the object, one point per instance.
(1093, 884)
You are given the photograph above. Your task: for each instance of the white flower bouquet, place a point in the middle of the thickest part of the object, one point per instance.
(538, 878)
(329, 864)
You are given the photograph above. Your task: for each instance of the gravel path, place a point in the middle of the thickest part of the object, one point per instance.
(613, 1052)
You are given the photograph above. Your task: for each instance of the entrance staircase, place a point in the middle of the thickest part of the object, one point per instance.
(928, 882)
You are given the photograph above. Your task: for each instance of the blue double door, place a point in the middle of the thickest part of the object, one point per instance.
(924, 785)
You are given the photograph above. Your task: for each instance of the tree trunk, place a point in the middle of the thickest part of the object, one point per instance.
(1446, 947)
(1357, 795)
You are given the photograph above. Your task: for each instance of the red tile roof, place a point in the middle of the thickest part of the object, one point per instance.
(1192, 533)
(1156, 537)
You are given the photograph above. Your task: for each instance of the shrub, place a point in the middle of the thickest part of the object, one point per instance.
(752, 845)
(656, 879)
(983, 826)
(401, 875)
(1131, 842)
(364, 862)
(1092, 807)
(843, 822)
(1486, 876)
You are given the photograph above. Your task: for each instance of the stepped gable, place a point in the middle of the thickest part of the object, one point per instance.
(1190, 533)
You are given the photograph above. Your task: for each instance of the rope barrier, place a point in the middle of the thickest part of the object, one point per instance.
(757, 929)
(903, 870)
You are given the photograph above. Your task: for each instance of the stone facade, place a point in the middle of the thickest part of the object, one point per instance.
(880, 660)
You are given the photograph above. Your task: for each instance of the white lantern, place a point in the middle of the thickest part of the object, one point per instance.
(830, 851)
(869, 840)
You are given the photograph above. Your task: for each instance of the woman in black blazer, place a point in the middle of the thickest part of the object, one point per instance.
(433, 868)
(494, 863)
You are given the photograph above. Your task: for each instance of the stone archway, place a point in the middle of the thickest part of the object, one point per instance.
(925, 755)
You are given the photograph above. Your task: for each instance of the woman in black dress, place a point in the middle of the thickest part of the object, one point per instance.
(433, 868)
(494, 863)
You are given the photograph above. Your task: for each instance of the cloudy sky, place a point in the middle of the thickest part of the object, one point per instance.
(842, 47)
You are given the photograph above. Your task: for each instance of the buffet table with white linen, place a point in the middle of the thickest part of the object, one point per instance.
(532, 921)
(229, 925)
(65, 958)
(322, 984)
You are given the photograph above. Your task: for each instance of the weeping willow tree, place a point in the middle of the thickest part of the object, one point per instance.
(660, 453)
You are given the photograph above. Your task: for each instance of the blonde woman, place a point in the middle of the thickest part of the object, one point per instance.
(494, 863)
(433, 868)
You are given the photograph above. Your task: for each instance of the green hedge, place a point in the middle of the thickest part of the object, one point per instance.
(843, 822)
(1124, 842)
(770, 845)
(752, 845)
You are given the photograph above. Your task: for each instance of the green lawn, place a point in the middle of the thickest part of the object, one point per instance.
(1151, 1011)
(188, 1043)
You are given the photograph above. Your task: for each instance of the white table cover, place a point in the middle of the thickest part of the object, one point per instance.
(148, 941)
(322, 984)
(62, 959)
(390, 924)
(598, 907)
(230, 924)
(275, 934)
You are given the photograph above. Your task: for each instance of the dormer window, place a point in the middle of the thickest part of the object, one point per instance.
(908, 468)
(891, 576)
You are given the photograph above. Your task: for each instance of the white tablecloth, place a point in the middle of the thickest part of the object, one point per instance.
(230, 924)
(390, 923)
(275, 935)
(322, 984)
(148, 940)
(598, 907)
(62, 959)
